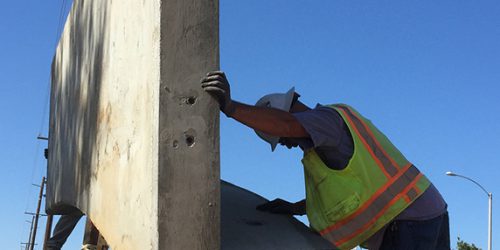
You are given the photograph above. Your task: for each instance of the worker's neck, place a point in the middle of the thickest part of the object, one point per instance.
(299, 107)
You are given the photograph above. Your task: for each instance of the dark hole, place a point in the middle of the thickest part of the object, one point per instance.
(191, 100)
(190, 140)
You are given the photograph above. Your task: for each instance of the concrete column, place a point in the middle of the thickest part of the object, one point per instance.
(188, 165)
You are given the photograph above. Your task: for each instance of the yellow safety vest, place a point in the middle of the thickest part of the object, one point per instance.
(348, 206)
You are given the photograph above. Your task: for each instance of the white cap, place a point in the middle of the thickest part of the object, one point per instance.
(282, 101)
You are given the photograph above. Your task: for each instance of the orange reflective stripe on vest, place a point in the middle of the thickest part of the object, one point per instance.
(386, 163)
(381, 180)
(349, 227)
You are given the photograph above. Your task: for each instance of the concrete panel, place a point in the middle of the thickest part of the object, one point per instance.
(103, 146)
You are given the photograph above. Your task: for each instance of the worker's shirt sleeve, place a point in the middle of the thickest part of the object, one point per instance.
(324, 125)
(329, 134)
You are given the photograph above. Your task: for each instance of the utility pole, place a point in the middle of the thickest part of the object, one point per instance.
(48, 228)
(48, 225)
(37, 215)
(31, 232)
(27, 244)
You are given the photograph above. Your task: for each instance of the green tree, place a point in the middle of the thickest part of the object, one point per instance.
(462, 245)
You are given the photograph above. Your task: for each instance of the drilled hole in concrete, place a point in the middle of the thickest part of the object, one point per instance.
(175, 144)
(190, 140)
(191, 100)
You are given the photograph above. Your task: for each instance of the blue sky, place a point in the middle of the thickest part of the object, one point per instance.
(427, 73)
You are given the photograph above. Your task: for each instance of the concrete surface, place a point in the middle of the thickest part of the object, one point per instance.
(103, 135)
(245, 228)
(131, 141)
(189, 187)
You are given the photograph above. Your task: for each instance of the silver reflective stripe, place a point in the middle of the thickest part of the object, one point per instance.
(412, 194)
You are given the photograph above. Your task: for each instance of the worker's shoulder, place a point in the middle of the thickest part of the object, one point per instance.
(329, 109)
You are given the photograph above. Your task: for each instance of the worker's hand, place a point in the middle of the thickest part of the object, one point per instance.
(217, 85)
(279, 206)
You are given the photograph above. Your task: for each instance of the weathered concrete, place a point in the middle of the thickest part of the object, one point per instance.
(133, 141)
(189, 192)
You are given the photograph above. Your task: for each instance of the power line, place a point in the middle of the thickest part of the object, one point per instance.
(59, 24)
(35, 169)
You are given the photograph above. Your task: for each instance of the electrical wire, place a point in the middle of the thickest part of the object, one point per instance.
(36, 170)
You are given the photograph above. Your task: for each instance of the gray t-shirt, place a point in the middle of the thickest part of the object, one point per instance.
(332, 140)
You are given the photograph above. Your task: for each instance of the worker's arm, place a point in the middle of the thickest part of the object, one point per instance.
(271, 121)
(279, 206)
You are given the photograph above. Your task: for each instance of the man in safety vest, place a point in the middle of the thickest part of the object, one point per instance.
(360, 190)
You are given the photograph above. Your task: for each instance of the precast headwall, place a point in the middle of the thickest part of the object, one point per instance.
(133, 139)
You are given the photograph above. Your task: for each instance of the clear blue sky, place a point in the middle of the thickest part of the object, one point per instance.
(427, 73)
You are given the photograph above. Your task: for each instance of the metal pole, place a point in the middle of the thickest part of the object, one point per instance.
(33, 238)
(31, 232)
(490, 209)
(490, 204)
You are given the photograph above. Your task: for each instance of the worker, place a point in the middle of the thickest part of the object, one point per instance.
(360, 190)
(62, 230)
(65, 226)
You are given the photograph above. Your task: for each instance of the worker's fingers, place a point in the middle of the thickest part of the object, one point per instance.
(270, 205)
(217, 72)
(217, 84)
(285, 209)
(214, 78)
(215, 90)
(213, 83)
(277, 206)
